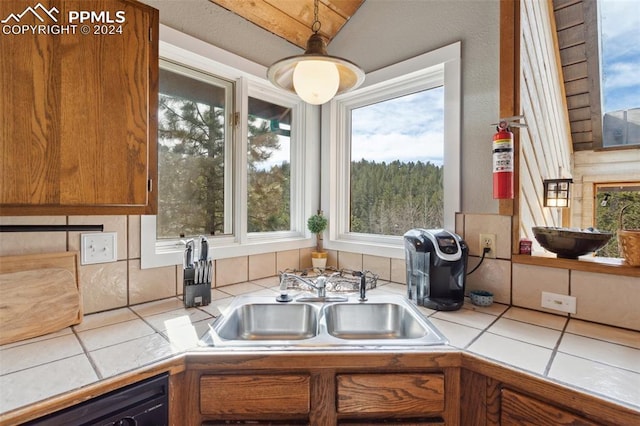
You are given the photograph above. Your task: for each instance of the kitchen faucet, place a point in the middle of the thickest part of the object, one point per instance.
(320, 285)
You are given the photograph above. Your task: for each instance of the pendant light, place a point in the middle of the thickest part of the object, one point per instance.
(315, 76)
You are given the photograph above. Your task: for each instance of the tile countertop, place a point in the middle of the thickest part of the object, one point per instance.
(601, 360)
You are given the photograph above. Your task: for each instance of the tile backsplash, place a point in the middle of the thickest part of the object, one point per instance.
(602, 298)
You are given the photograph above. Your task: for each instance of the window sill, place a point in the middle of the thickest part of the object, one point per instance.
(603, 265)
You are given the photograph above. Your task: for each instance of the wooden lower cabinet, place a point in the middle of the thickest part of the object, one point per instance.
(320, 397)
(287, 399)
(255, 397)
(379, 388)
(506, 398)
(392, 396)
(518, 409)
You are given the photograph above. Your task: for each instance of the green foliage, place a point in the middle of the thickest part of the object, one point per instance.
(191, 169)
(317, 223)
(268, 198)
(608, 216)
(390, 199)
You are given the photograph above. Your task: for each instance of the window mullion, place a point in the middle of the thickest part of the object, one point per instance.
(240, 147)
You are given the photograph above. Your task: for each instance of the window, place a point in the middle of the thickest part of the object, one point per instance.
(620, 59)
(610, 199)
(268, 167)
(393, 154)
(232, 157)
(397, 164)
(194, 155)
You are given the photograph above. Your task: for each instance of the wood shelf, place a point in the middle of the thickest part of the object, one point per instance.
(603, 265)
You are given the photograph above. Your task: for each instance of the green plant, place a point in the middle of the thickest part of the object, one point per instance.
(317, 224)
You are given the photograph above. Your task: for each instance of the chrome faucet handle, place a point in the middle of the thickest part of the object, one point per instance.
(321, 286)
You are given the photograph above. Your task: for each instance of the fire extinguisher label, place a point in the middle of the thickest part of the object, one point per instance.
(502, 156)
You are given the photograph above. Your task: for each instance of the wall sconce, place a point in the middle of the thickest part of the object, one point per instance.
(556, 192)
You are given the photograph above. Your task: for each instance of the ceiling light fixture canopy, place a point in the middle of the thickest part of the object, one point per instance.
(315, 76)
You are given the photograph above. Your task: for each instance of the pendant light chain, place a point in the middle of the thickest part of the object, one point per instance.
(315, 27)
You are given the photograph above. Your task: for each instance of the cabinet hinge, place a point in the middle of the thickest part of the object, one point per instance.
(236, 118)
(149, 185)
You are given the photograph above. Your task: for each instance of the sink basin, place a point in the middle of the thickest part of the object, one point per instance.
(372, 321)
(256, 321)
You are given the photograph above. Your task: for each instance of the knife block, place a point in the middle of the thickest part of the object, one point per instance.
(194, 294)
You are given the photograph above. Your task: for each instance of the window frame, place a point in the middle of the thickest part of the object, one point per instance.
(249, 77)
(432, 69)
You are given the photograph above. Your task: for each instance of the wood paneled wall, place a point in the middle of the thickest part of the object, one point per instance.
(545, 145)
(577, 29)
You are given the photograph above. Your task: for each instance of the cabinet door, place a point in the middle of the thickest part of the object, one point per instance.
(79, 105)
(390, 395)
(518, 409)
(255, 397)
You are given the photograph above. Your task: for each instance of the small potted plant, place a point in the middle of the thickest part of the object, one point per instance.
(317, 224)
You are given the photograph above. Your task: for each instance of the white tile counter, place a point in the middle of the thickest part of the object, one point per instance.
(601, 360)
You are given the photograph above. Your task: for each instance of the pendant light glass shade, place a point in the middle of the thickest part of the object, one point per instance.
(315, 76)
(316, 81)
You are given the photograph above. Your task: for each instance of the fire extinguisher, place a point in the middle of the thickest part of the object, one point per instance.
(503, 162)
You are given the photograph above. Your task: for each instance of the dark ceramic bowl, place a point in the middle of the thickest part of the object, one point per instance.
(570, 243)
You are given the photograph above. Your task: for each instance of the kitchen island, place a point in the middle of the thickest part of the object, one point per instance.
(499, 359)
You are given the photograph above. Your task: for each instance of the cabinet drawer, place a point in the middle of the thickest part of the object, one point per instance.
(405, 394)
(240, 395)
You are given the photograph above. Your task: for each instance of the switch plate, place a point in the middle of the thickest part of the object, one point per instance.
(559, 302)
(98, 248)
(488, 240)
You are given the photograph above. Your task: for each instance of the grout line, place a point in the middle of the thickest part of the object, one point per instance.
(554, 351)
(87, 353)
(484, 330)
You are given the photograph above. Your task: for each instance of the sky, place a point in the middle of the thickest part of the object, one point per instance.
(408, 128)
(620, 53)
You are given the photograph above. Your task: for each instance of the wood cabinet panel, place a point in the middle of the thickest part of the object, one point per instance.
(387, 394)
(247, 396)
(518, 409)
(79, 110)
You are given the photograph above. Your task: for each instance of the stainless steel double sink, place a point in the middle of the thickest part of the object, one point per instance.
(383, 320)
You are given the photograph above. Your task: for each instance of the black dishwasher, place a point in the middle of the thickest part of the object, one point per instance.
(144, 403)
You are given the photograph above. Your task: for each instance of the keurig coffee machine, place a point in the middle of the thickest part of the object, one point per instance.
(436, 268)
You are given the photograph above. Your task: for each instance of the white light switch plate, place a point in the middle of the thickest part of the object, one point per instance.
(98, 248)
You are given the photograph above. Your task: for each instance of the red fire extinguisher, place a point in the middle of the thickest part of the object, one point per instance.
(503, 162)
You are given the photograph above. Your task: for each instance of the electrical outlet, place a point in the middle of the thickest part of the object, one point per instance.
(99, 248)
(488, 241)
(559, 302)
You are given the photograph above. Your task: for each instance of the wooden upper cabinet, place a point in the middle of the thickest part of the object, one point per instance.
(78, 104)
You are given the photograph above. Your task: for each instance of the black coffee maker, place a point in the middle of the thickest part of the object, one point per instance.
(436, 268)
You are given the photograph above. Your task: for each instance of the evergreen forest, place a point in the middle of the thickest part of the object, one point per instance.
(390, 199)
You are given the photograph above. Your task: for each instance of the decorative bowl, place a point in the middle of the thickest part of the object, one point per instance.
(570, 243)
(481, 297)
